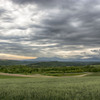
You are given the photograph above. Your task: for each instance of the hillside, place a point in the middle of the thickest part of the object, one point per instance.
(14, 62)
(62, 64)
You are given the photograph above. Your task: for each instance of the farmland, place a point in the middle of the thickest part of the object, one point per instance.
(49, 69)
(50, 88)
(48, 81)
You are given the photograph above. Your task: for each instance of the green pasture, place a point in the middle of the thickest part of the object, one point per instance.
(50, 88)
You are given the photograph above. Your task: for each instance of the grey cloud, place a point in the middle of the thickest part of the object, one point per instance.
(86, 33)
(69, 24)
(96, 51)
(17, 49)
(47, 3)
(7, 19)
(2, 11)
(69, 4)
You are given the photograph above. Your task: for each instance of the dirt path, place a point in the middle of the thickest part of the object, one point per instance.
(20, 75)
(83, 75)
(39, 75)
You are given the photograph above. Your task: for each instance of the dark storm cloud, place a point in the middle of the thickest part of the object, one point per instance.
(62, 3)
(46, 3)
(17, 49)
(67, 24)
(84, 34)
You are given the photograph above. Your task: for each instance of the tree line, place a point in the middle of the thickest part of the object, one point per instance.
(31, 70)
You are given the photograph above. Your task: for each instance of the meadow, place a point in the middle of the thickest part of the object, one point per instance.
(50, 81)
(50, 88)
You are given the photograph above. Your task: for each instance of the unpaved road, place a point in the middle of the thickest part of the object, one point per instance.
(83, 75)
(38, 75)
(20, 75)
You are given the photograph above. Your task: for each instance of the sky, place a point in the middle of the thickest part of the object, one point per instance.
(67, 29)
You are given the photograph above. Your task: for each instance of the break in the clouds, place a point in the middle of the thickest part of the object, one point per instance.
(50, 28)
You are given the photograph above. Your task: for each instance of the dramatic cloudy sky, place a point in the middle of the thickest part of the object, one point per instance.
(49, 28)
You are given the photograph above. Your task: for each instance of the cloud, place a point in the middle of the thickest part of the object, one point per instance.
(49, 28)
(42, 3)
(2, 11)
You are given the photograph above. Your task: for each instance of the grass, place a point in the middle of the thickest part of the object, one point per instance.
(7, 77)
(61, 88)
(94, 74)
(62, 74)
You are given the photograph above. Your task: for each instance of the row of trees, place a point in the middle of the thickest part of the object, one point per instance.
(27, 69)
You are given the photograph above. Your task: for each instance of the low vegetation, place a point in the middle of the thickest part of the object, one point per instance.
(7, 77)
(41, 68)
(61, 88)
(50, 88)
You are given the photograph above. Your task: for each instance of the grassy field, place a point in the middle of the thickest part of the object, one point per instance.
(63, 74)
(61, 88)
(94, 74)
(7, 77)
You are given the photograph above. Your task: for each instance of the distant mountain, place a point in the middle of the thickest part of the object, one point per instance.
(54, 60)
(61, 64)
(47, 59)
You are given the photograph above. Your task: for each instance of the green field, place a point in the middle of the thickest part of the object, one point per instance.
(63, 74)
(55, 88)
(94, 74)
(7, 77)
